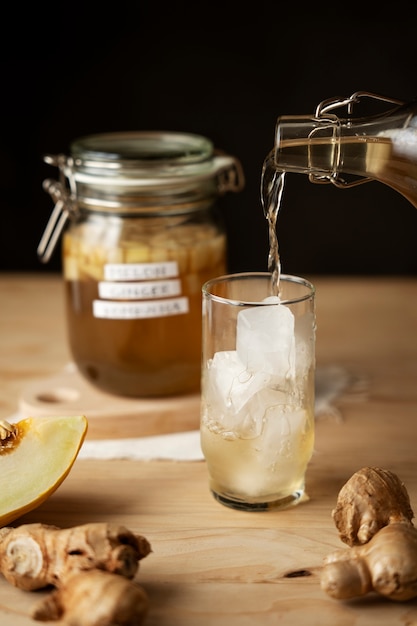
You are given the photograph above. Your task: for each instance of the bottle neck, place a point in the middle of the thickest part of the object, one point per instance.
(328, 149)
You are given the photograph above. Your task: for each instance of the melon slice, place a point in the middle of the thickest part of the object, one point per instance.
(36, 455)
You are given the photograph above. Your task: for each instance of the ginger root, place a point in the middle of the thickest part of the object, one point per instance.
(33, 556)
(371, 499)
(91, 566)
(387, 565)
(373, 515)
(94, 598)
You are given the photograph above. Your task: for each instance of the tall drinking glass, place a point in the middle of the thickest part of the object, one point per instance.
(257, 408)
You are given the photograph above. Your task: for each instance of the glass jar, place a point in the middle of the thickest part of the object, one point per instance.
(142, 235)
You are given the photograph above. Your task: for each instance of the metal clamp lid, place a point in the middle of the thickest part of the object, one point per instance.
(65, 206)
(144, 161)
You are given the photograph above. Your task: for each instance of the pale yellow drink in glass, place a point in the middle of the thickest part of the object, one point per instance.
(257, 411)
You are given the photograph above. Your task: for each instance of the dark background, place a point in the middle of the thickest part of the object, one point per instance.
(223, 71)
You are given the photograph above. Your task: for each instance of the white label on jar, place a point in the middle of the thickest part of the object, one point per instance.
(139, 290)
(140, 271)
(140, 310)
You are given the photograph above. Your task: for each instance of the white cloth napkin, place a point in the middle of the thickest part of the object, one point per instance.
(174, 446)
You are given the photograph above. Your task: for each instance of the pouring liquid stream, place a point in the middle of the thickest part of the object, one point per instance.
(272, 187)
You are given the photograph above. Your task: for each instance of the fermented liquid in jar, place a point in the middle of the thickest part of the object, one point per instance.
(134, 308)
(144, 234)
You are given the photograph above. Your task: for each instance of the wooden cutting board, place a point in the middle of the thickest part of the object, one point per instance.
(109, 416)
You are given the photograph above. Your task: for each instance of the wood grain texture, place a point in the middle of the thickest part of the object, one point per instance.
(211, 565)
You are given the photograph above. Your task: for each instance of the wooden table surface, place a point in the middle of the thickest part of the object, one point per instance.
(212, 565)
